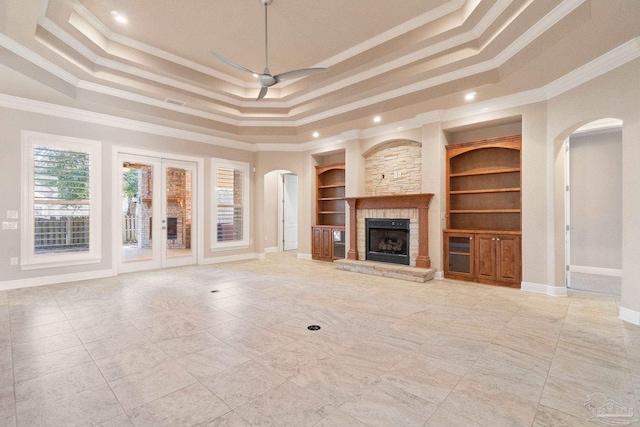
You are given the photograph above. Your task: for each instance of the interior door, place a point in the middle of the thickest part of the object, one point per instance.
(290, 211)
(158, 213)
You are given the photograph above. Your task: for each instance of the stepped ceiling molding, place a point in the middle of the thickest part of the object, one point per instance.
(398, 59)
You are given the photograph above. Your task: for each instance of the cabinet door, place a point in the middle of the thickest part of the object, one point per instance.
(316, 243)
(327, 244)
(508, 258)
(338, 243)
(458, 255)
(485, 256)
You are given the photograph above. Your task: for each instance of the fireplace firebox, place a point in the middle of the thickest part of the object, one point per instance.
(387, 240)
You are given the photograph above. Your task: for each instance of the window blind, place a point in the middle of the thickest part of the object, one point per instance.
(61, 200)
(230, 204)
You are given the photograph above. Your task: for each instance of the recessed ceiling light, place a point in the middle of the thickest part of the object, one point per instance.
(119, 17)
(377, 119)
(485, 109)
(470, 96)
(316, 134)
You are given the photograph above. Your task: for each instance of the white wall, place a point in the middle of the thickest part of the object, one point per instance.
(545, 125)
(596, 199)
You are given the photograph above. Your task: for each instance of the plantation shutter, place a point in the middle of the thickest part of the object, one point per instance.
(61, 200)
(230, 204)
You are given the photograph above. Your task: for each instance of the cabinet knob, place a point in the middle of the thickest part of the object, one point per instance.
(498, 239)
(493, 238)
(471, 238)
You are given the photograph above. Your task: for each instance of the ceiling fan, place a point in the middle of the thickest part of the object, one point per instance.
(266, 79)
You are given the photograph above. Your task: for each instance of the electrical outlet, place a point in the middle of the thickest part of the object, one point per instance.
(14, 260)
(9, 225)
(12, 214)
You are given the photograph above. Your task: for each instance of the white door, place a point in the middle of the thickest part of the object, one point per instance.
(290, 211)
(158, 213)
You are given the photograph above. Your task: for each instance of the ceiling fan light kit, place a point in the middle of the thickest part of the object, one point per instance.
(266, 79)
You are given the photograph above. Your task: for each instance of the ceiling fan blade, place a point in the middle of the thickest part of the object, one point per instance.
(262, 93)
(226, 61)
(295, 74)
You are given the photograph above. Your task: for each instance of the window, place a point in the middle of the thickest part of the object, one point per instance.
(231, 204)
(60, 201)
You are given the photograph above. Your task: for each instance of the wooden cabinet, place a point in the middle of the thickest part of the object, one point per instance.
(328, 242)
(484, 210)
(483, 257)
(328, 236)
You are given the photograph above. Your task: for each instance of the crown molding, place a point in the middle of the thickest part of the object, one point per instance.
(417, 22)
(611, 60)
(45, 108)
(617, 57)
(544, 24)
(495, 11)
(92, 20)
(15, 47)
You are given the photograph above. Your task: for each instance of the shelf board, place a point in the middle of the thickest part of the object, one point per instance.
(479, 231)
(489, 190)
(330, 212)
(336, 185)
(460, 253)
(326, 199)
(482, 211)
(489, 172)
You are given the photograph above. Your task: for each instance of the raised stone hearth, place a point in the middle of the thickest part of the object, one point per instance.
(385, 269)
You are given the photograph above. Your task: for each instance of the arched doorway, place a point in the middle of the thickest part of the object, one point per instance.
(593, 207)
(280, 211)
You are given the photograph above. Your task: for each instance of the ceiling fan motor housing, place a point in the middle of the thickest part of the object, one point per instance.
(266, 2)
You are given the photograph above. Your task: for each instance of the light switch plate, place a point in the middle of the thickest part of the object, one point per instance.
(9, 225)
(12, 214)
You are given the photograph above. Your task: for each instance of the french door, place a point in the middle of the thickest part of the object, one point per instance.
(158, 213)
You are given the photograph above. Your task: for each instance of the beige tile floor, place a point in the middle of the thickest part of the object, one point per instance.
(160, 349)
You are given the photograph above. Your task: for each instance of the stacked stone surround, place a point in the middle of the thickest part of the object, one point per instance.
(410, 214)
(401, 158)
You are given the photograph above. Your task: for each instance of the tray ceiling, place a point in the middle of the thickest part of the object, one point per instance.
(395, 58)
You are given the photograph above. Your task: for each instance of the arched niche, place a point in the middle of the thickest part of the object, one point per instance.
(393, 167)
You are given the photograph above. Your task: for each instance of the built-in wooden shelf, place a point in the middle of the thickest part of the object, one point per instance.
(484, 218)
(487, 191)
(485, 172)
(484, 211)
(327, 236)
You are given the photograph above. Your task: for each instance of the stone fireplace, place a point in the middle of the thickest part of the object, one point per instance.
(396, 226)
(387, 240)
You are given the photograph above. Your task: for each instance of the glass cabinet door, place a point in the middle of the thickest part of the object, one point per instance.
(459, 251)
(338, 243)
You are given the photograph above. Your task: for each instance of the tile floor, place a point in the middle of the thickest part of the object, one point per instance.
(160, 349)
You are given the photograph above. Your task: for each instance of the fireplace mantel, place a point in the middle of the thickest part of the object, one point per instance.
(404, 201)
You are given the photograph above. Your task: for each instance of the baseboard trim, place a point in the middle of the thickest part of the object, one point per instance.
(539, 288)
(304, 256)
(439, 275)
(52, 280)
(231, 258)
(595, 270)
(629, 315)
(271, 249)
